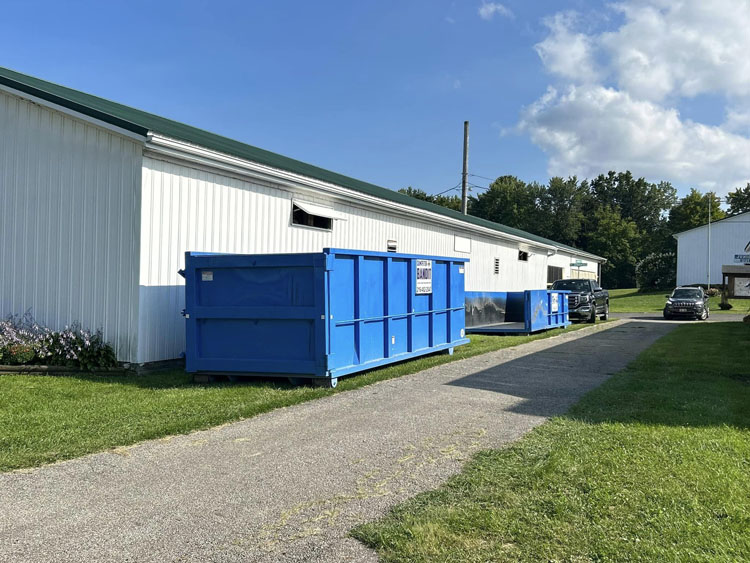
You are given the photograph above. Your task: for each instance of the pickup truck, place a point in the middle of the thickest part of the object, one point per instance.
(586, 299)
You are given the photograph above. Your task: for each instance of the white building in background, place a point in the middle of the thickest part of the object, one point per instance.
(730, 247)
(99, 202)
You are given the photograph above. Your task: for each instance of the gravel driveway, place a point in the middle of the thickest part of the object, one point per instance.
(288, 485)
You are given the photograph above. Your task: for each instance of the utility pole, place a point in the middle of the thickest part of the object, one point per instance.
(465, 175)
(710, 198)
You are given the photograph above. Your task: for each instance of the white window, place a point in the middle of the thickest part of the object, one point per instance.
(313, 215)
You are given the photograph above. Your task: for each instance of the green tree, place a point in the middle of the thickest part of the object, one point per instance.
(615, 238)
(561, 210)
(739, 200)
(510, 201)
(657, 271)
(644, 203)
(692, 211)
(451, 202)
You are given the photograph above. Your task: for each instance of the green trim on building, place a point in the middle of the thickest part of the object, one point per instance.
(141, 122)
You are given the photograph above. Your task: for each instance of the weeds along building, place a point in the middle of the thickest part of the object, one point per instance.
(99, 202)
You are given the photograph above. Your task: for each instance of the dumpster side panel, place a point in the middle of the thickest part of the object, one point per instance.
(343, 297)
(558, 308)
(457, 300)
(440, 304)
(548, 309)
(398, 306)
(255, 314)
(379, 315)
(538, 310)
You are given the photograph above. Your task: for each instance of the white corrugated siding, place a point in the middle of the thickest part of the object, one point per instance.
(185, 208)
(728, 237)
(69, 225)
(564, 259)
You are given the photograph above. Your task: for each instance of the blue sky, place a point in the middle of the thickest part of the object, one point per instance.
(380, 90)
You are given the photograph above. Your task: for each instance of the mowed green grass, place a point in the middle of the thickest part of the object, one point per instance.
(652, 466)
(50, 418)
(631, 301)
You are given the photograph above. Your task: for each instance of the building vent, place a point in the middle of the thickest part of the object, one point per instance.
(523, 256)
(497, 266)
(391, 246)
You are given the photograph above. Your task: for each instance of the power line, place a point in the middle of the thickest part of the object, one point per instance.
(483, 177)
(449, 189)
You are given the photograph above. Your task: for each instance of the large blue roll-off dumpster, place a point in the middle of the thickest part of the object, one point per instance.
(509, 312)
(319, 315)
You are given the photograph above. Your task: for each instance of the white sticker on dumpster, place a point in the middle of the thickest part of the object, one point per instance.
(553, 303)
(207, 275)
(424, 276)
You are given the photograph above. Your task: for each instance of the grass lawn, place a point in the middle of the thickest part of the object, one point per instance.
(630, 301)
(652, 466)
(50, 418)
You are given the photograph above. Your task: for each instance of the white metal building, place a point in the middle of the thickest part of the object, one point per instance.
(99, 202)
(730, 238)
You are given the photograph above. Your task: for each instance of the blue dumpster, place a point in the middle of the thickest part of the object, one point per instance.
(320, 315)
(516, 311)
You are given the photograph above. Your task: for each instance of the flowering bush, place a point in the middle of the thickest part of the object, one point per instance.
(23, 341)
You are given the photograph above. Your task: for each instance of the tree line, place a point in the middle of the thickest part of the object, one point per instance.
(615, 215)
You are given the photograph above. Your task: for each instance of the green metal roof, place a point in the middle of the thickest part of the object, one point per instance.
(141, 122)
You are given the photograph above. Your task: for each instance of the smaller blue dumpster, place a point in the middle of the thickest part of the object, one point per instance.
(515, 312)
(319, 315)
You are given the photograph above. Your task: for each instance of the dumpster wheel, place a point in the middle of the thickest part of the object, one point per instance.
(328, 382)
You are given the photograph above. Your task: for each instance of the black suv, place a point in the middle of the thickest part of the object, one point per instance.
(687, 302)
(586, 300)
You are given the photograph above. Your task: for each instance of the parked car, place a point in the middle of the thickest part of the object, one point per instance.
(687, 302)
(586, 300)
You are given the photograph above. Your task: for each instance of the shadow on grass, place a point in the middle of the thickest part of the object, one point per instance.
(175, 378)
(697, 375)
(179, 378)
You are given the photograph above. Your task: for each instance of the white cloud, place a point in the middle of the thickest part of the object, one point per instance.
(617, 92)
(587, 130)
(566, 53)
(449, 20)
(456, 84)
(681, 48)
(737, 120)
(488, 10)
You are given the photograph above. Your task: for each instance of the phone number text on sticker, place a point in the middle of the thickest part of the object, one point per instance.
(424, 276)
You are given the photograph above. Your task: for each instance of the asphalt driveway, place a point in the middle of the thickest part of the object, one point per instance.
(288, 485)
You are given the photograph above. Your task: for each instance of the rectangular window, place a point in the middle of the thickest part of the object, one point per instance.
(523, 256)
(309, 215)
(497, 266)
(554, 273)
